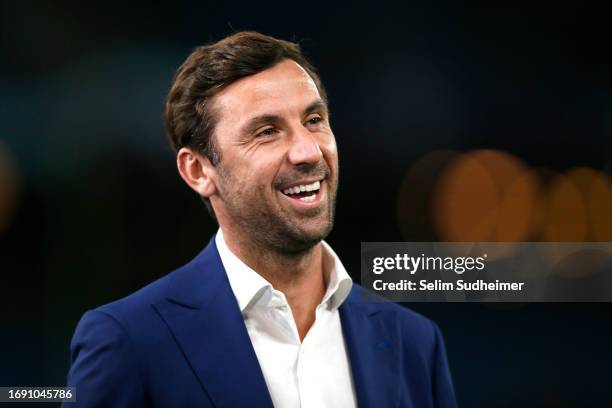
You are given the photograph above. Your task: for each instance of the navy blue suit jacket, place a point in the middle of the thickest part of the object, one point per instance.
(181, 342)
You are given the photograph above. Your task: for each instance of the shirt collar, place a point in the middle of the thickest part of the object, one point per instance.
(251, 288)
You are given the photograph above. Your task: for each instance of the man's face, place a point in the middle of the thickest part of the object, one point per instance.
(274, 138)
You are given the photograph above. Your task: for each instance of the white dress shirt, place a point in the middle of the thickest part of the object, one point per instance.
(314, 373)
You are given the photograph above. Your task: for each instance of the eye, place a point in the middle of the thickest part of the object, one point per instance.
(266, 132)
(315, 120)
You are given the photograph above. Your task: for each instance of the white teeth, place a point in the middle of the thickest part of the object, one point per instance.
(308, 199)
(304, 187)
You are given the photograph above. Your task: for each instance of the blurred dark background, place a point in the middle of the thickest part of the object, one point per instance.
(92, 207)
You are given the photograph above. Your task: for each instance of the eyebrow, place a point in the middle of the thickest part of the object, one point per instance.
(257, 121)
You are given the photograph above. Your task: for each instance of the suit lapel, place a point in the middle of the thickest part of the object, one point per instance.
(204, 318)
(372, 339)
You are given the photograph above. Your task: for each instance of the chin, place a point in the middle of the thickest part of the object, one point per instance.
(306, 239)
(297, 236)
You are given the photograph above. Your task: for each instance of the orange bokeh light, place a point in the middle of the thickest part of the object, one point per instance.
(491, 196)
(485, 196)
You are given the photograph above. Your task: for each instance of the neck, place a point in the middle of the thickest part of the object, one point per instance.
(300, 276)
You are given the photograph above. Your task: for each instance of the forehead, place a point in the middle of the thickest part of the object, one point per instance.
(283, 88)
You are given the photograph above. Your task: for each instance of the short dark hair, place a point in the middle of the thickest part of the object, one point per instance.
(189, 117)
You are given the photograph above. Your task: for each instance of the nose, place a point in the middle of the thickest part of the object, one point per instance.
(304, 148)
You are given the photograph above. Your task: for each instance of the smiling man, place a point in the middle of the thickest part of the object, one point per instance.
(266, 314)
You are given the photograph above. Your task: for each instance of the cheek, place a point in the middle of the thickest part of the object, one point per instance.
(330, 151)
(258, 174)
(258, 170)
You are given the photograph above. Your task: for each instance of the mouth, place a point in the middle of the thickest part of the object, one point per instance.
(305, 194)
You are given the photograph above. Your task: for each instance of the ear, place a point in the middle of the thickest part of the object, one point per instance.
(197, 171)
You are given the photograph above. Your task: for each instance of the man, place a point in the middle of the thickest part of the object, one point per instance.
(265, 315)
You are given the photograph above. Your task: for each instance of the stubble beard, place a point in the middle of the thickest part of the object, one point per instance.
(272, 228)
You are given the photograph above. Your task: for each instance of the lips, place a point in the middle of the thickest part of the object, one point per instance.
(303, 192)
